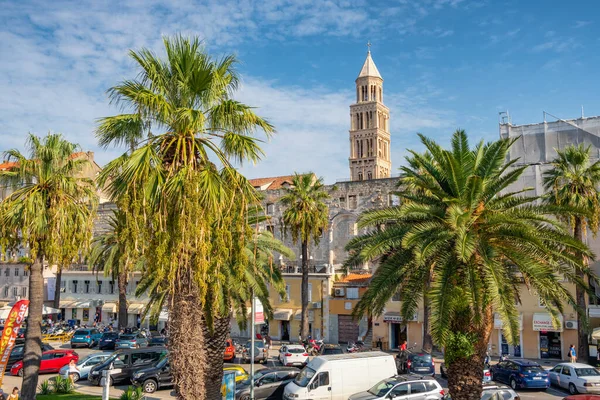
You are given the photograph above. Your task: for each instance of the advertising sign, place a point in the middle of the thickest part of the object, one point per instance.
(9, 334)
(259, 312)
(542, 322)
(228, 385)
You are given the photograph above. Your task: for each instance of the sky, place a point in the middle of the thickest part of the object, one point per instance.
(446, 64)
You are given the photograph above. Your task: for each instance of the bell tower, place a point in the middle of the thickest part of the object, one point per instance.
(369, 126)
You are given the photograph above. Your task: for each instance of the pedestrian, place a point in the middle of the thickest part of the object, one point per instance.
(73, 370)
(573, 354)
(403, 346)
(14, 395)
(139, 322)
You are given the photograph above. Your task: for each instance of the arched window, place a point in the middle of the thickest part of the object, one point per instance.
(360, 176)
(369, 175)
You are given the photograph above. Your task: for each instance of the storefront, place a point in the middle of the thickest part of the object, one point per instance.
(550, 343)
(316, 334)
(513, 350)
(280, 326)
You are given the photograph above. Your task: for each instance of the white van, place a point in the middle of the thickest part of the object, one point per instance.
(338, 376)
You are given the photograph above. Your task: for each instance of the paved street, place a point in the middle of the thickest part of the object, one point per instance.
(85, 387)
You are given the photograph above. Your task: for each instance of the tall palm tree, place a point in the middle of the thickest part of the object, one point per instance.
(306, 216)
(50, 205)
(573, 181)
(109, 253)
(474, 241)
(193, 209)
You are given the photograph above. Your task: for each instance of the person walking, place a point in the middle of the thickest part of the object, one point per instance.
(73, 370)
(14, 395)
(268, 343)
(572, 354)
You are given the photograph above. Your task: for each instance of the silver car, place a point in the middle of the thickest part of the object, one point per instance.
(493, 391)
(403, 387)
(84, 366)
(575, 377)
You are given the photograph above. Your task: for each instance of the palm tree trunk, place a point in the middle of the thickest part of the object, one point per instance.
(195, 351)
(33, 337)
(304, 331)
(583, 347)
(57, 286)
(122, 282)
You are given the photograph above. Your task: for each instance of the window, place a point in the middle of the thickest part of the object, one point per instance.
(74, 287)
(566, 371)
(121, 360)
(25, 272)
(24, 291)
(271, 228)
(270, 208)
(87, 286)
(352, 201)
(287, 294)
(323, 378)
(15, 291)
(430, 386)
(396, 296)
(310, 292)
(541, 303)
(400, 390)
(360, 176)
(417, 387)
(99, 287)
(352, 293)
(5, 291)
(47, 356)
(112, 287)
(16, 271)
(7, 272)
(369, 175)
(269, 378)
(557, 369)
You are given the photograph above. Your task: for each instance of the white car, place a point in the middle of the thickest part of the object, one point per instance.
(85, 365)
(576, 377)
(292, 355)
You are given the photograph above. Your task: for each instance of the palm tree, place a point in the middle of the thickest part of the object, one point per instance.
(50, 206)
(573, 181)
(109, 253)
(193, 210)
(474, 241)
(306, 216)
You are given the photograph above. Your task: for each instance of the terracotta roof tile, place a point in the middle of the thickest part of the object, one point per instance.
(7, 165)
(356, 278)
(273, 183)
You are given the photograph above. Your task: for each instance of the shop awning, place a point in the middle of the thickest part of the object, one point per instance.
(298, 315)
(498, 322)
(81, 304)
(596, 334)
(110, 307)
(67, 304)
(135, 308)
(282, 314)
(394, 317)
(543, 322)
(594, 312)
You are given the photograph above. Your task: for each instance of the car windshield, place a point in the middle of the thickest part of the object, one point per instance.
(296, 350)
(587, 372)
(80, 333)
(110, 335)
(127, 337)
(304, 377)
(532, 369)
(333, 351)
(163, 361)
(258, 344)
(257, 375)
(421, 358)
(380, 389)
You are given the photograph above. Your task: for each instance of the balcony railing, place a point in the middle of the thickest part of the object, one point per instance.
(312, 269)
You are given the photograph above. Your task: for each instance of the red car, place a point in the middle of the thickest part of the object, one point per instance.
(52, 361)
(229, 354)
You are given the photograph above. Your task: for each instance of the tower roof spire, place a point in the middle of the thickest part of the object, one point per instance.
(369, 68)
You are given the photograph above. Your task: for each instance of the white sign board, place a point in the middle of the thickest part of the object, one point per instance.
(51, 286)
(259, 312)
(543, 322)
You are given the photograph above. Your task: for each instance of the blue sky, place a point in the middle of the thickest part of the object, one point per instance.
(446, 64)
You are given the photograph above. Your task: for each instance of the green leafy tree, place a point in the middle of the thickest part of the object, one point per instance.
(194, 201)
(306, 215)
(473, 240)
(50, 205)
(573, 181)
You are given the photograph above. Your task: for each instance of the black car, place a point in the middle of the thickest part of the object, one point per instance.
(107, 340)
(330, 349)
(269, 383)
(18, 353)
(421, 364)
(158, 341)
(153, 378)
(129, 361)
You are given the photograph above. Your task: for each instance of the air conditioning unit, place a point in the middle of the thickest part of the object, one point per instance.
(316, 304)
(339, 292)
(571, 324)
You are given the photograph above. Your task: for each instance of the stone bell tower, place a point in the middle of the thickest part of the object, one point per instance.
(369, 127)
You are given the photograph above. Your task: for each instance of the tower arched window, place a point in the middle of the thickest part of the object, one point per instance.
(360, 176)
(369, 175)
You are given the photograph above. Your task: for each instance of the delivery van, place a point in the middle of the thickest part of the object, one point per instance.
(338, 376)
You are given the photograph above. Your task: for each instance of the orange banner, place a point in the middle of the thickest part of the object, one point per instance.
(9, 334)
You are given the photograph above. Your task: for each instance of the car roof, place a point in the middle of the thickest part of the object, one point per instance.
(59, 351)
(142, 350)
(278, 369)
(489, 386)
(524, 362)
(295, 345)
(575, 365)
(333, 346)
(412, 377)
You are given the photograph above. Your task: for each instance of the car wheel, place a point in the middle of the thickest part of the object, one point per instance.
(150, 386)
(75, 376)
(245, 397)
(572, 389)
(513, 383)
(20, 373)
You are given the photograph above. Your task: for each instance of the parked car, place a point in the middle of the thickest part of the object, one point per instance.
(153, 378)
(293, 355)
(229, 354)
(131, 341)
(577, 377)
(269, 383)
(20, 335)
(129, 361)
(161, 341)
(17, 354)
(84, 365)
(85, 337)
(260, 352)
(582, 397)
(340, 376)
(240, 373)
(330, 349)
(108, 340)
(521, 374)
(52, 361)
(421, 364)
(487, 374)
(492, 391)
(402, 387)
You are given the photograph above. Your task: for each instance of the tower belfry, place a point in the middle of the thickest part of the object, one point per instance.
(369, 126)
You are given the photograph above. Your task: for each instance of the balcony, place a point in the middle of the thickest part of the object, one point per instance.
(323, 269)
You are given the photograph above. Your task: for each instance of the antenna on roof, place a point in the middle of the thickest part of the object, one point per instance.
(582, 111)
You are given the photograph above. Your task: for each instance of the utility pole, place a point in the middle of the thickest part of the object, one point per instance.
(253, 333)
